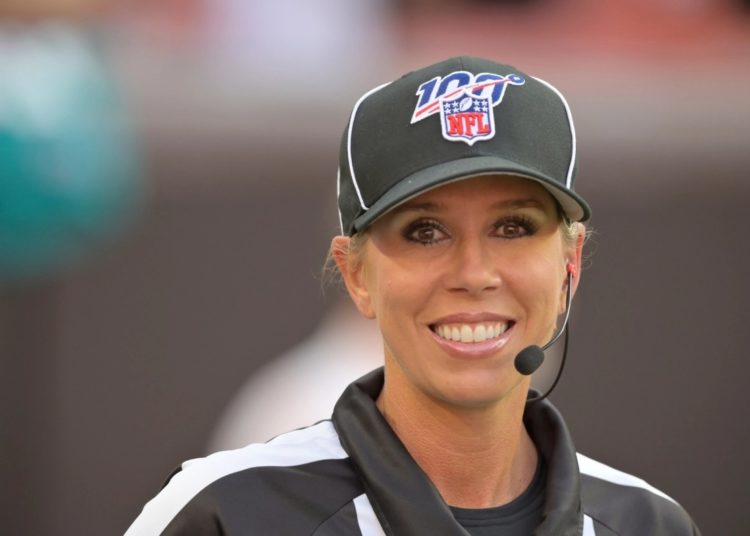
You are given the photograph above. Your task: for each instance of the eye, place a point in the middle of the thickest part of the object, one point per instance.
(425, 232)
(515, 226)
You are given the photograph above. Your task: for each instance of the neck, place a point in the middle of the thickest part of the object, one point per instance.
(477, 457)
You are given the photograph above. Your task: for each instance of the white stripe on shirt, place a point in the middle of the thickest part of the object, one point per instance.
(588, 526)
(599, 470)
(315, 443)
(366, 518)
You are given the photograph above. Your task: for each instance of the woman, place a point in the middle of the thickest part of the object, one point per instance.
(462, 238)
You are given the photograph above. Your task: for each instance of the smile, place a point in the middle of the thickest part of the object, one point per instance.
(470, 333)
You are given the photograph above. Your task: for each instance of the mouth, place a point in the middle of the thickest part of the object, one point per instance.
(471, 333)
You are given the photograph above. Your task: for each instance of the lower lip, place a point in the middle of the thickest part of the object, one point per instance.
(473, 350)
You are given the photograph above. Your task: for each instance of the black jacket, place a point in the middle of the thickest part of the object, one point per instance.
(352, 476)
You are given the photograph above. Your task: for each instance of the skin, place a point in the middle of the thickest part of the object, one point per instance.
(487, 248)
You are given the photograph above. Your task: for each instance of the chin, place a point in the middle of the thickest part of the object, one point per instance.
(473, 391)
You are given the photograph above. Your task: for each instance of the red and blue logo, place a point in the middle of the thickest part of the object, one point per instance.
(465, 103)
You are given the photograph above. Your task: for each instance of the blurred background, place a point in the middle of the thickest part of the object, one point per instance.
(167, 196)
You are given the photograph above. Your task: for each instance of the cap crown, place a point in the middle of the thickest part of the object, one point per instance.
(458, 118)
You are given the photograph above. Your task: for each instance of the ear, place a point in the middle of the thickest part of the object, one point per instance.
(353, 273)
(574, 256)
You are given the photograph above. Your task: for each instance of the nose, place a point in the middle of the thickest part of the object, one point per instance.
(474, 269)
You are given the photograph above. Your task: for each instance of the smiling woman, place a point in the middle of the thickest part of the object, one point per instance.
(461, 236)
(460, 279)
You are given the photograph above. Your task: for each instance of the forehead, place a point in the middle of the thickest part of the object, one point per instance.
(501, 191)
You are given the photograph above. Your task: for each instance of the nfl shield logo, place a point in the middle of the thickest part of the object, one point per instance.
(467, 117)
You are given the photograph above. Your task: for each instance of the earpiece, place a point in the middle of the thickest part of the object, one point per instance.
(571, 269)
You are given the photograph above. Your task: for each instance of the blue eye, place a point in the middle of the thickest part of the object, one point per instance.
(425, 232)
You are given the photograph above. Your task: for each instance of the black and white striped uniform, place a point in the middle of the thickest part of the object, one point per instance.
(352, 476)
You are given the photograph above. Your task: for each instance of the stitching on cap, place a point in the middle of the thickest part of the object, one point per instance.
(571, 166)
(349, 142)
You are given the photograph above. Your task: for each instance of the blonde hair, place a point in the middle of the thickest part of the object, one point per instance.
(330, 274)
(569, 230)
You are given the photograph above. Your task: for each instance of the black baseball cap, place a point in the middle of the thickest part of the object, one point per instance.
(460, 118)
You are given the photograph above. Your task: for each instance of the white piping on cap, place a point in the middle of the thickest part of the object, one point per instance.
(349, 141)
(569, 178)
(338, 195)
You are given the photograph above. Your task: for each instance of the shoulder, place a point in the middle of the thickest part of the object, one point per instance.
(621, 504)
(302, 477)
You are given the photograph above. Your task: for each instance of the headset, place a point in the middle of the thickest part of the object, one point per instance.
(531, 358)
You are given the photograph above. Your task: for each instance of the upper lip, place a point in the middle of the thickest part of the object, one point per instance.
(471, 318)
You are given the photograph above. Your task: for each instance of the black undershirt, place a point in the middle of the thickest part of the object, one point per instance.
(517, 518)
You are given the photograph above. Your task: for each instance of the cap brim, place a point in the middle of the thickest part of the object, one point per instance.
(426, 179)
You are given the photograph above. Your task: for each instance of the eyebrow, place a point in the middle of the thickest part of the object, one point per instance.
(437, 207)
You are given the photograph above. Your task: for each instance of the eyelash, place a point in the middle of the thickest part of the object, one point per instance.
(524, 223)
(421, 225)
(520, 220)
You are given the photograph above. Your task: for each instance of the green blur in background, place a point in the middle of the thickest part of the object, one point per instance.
(69, 176)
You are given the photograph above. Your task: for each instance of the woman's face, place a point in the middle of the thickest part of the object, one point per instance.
(460, 279)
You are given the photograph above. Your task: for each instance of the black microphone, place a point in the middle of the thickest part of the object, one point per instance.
(531, 358)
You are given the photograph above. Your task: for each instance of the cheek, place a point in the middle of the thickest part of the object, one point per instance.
(540, 286)
(386, 287)
(399, 293)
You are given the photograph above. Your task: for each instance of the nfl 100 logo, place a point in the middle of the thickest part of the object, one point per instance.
(465, 103)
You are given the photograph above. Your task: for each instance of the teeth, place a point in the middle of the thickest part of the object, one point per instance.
(480, 333)
(471, 333)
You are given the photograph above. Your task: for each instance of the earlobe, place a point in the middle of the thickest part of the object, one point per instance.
(568, 279)
(577, 257)
(352, 272)
(573, 268)
(571, 278)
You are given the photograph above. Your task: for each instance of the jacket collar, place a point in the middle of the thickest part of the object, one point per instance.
(403, 497)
